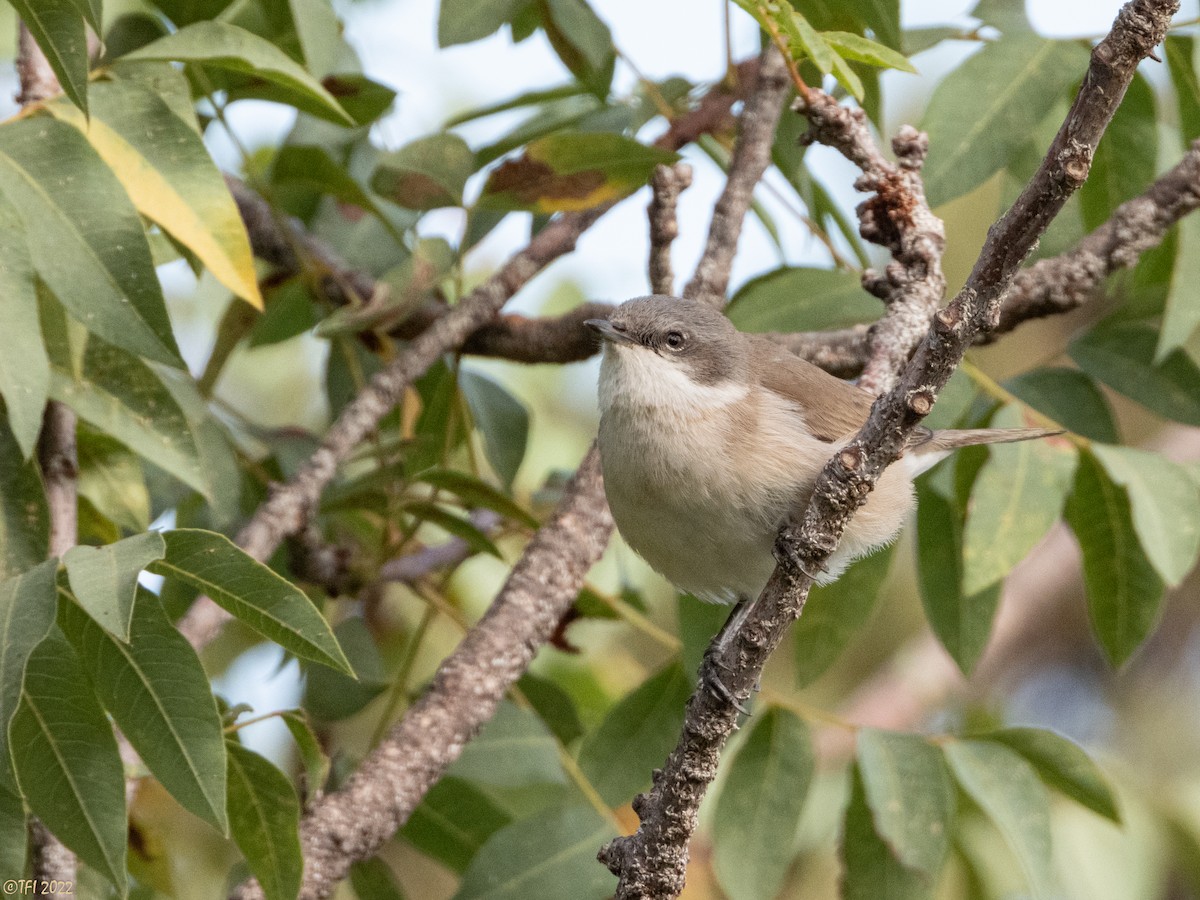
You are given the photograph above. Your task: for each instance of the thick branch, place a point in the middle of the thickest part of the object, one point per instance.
(352, 823)
(751, 156)
(652, 863)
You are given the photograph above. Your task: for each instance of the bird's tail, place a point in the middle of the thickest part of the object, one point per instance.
(931, 448)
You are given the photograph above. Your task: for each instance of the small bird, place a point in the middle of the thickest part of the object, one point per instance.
(711, 438)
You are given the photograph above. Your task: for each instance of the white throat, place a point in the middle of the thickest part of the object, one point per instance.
(634, 376)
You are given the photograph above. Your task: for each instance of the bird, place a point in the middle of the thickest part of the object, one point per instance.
(711, 438)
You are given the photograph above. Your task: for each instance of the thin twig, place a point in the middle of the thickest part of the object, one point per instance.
(666, 185)
(652, 863)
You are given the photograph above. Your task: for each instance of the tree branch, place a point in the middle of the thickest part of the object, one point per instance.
(652, 863)
(666, 186)
(751, 156)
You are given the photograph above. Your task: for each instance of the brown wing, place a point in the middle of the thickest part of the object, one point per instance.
(834, 409)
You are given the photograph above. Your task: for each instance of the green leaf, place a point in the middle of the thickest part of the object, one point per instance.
(570, 171)
(453, 822)
(169, 175)
(549, 856)
(104, 579)
(1165, 504)
(365, 100)
(332, 696)
(372, 879)
(802, 299)
(464, 21)
(1122, 356)
(14, 835)
(27, 606)
(1124, 592)
(1125, 160)
(1070, 398)
(1181, 313)
(972, 134)
(123, 397)
(1181, 56)
(835, 613)
(264, 819)
(1006, 788)
(759, 806)
(961, 622)
(111, 478)
(1017, 497)
(312, 754)
(697, 622)
(319, 33)
(184, 12)
(427, 173)
(911, 799)
(24, 516)
(24, 366)
(247, 589)
(1062, 765)
(159, 696)
(66, 759)
(870, 868)
(87, 242)
(461, 528)
(314, 168)
(514, 749)
(635, 736)
(554, 706)
(881, 16)
(502, 420)
(861, 49)
(582, 41)
(59, 29)
(234, 49)
(477, 494)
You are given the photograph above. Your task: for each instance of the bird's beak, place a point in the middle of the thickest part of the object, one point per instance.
(609, 332)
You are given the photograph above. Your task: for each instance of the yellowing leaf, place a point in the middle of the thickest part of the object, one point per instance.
(167, 172)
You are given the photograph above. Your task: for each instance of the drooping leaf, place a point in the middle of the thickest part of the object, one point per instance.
(1124, 591)
(548, 856)
(973, 134)
(454, 524)
(635, 736)
(835, 613)
(910, 796)
(332, 696)
(104, 579)
(566, 172)
(427, 173)
(14, 836)
(225, 46)
(24, 516)
(1062, 765)
(554, 706)
(158, 693)
(802, 299)
(24, 366)
(453, 822)
(476, 493)
(961, 622)
(111, 478)
(319, 33)
(502, 420)
(1006, 788)
(1122, 356)
(1070, 398)
(312, 754)
(66, 759)
(253, 593)
(168, 173)
(582, 41)
(514, 749)
(264, 820)
(364, 99)
(1017, 497)
(59, 28)
(1181, 56)
(27, 606)
(1181, 311)
(870, 869)
(1125, 160)
(123, 397)
(464, 21)
(860, 49)
(86, 240)
(1165, 505)
(759, 806)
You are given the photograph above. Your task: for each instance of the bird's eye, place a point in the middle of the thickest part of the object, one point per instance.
(674, 340)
